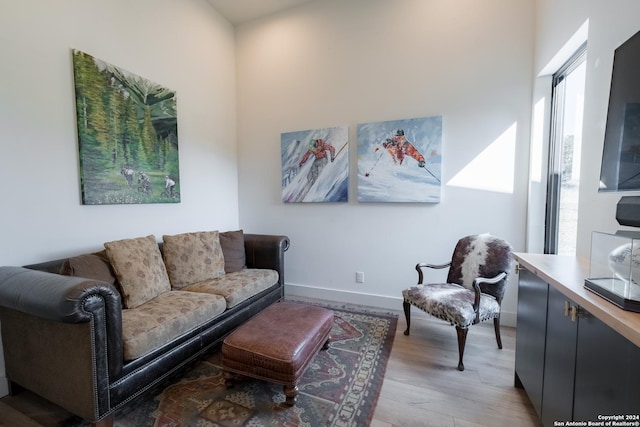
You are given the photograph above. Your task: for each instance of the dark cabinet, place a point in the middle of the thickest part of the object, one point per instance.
(571, 364)
(560, 358)
(606, 372)
(530, 336)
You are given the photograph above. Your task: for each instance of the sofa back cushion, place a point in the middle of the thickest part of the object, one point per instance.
(192, 257)
(232, 243)
(139, 268)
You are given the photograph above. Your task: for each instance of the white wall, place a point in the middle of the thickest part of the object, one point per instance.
(332, 62)
(183, 45)
(610, 24)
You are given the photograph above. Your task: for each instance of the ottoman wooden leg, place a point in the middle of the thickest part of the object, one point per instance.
(290, 391)
(327, 344)
(228, 378)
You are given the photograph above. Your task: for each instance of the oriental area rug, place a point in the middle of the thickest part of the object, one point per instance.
(339, 388)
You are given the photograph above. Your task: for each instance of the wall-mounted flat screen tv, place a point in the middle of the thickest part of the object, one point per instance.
(620, 170)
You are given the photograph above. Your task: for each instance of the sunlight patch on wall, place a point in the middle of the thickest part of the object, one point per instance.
(537, 141)
(494, 168)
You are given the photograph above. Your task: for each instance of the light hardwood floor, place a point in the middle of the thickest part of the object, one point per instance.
(422, 386)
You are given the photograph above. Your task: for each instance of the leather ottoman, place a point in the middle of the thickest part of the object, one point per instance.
(277, 345)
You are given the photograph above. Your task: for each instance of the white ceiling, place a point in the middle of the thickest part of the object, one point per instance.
(241, 11)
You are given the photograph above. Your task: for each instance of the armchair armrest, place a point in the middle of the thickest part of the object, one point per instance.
(422, 265)
(490, 280)
(476, 288)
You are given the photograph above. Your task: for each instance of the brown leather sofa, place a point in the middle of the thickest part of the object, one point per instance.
(62, 335)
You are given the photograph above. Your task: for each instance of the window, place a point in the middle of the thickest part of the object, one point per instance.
(565, 145)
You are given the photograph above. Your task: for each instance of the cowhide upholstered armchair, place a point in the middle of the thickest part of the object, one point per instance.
(473, 293)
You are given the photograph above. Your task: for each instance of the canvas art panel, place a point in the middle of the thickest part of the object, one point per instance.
(127, 135)
(315, 165)
(400, 160)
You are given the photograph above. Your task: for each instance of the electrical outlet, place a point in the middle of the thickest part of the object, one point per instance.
(359, 277)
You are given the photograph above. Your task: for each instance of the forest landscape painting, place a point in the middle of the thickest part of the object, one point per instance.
(400, 160)
(315, 165)
(127, 135)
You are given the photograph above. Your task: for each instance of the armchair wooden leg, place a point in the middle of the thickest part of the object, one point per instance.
(462, 340)
(407, 314)
(496, 326)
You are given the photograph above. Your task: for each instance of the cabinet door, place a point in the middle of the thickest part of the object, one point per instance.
(633, 380)
(530, 335)
(605, 362)
(560, 357)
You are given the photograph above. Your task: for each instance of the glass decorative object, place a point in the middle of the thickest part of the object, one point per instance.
(614, 269)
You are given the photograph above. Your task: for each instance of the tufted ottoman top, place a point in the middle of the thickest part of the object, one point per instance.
(278, 343)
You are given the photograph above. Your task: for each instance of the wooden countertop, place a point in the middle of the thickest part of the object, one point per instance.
(567, 274)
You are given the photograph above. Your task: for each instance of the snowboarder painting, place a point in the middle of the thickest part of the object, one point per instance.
(315, 165)
(400, 160)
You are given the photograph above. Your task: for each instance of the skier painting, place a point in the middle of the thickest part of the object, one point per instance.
(398, 147)
(319, 149)
(323, 179)
(399, 160)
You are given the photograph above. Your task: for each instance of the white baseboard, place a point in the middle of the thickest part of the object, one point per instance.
(4, 386)
(370, 300)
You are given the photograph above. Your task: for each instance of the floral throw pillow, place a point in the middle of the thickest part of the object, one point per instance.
(193, 257)
(138, 266)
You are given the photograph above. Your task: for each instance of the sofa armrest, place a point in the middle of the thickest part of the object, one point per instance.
(68, 300)
(53, 296)
(266, 251)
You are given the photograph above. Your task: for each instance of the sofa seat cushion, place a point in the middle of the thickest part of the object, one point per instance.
(164, 318)
(237, 287)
